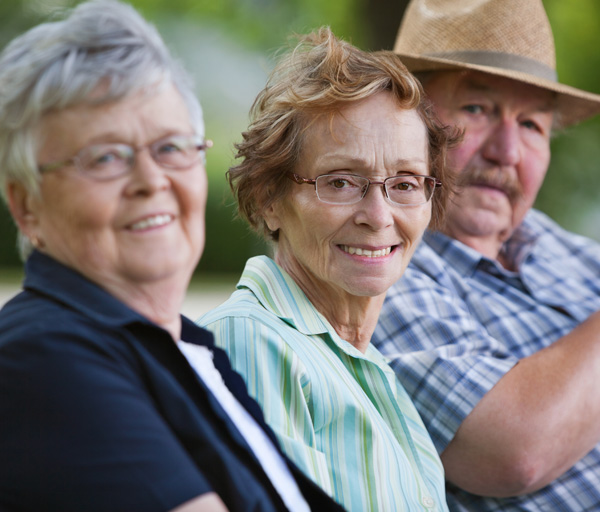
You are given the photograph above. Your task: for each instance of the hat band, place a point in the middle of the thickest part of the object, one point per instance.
(508, 61)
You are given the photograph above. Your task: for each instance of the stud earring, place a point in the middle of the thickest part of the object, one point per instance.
(37, 242)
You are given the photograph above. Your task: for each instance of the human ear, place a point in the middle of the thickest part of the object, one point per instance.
(272, 217)
(22, 206)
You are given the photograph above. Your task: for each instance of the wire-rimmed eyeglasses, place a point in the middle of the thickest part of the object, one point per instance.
(108, 161)
(402, 190)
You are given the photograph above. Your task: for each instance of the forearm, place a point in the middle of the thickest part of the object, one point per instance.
(540, 419)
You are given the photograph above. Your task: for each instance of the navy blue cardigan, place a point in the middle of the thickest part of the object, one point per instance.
(100, 411)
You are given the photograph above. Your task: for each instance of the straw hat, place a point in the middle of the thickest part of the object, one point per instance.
(509, 38)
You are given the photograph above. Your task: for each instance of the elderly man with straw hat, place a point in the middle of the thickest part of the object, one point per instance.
(494, 329)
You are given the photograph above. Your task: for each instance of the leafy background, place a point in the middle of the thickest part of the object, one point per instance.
(228, 46)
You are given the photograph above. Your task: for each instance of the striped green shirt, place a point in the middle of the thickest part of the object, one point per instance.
(341, 415)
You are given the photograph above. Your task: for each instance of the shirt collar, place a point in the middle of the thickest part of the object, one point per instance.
(47, 276)
(462, 258)
(279, 294)
(466, 260)
(523, 240)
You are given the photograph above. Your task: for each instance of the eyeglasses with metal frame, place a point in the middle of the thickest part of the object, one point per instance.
(400, 190)
(103, 162)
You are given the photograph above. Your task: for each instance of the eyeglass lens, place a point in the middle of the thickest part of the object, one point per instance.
(348, 189)
(106, 161)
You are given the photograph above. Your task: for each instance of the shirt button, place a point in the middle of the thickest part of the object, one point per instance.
(428, 502)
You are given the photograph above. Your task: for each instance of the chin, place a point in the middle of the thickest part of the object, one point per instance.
(162, 268)
(373, 287)
(481, 222)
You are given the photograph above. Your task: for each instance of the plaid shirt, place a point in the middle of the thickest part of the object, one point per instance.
(457, 322)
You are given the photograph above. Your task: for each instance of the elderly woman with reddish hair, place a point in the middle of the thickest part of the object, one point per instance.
(338, 169)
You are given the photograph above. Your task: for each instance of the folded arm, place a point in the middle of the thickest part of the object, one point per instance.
(508, 415)
(539, 420)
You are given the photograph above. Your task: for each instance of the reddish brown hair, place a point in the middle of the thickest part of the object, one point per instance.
(321, 76)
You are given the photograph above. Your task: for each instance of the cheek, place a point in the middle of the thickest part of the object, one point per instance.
(192, 189)
(423, 222)
(78, 209)
(196, 205)
(79, 233)
(533, 171)
(459, 157)
(300, 217)
(309, 229)
(531, 186)
(191, 196)
(412, 224)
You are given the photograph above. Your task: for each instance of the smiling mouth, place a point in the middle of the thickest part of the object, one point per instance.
(365, 252)
(152, 222)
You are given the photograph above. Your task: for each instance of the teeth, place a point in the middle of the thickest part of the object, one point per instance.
(364, 252)
(150, 222)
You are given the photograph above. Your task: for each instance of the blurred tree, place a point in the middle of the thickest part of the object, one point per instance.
(227, 45)
(382, 22)
(15, 17)
(570, 193)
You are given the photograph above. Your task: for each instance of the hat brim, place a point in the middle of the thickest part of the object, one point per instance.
(573, 105)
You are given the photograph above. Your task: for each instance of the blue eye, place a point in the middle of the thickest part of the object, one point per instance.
(105, 159)
(177, 151)
(101, 157)
(473, 109)
(530, 125)
(170, 147)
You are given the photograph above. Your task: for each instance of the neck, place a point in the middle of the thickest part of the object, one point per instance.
(490, 248)
(158, 297)
(353, 320)
(158, 301)
(353, 317)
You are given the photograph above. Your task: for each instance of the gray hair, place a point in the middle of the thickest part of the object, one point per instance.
(60, 64)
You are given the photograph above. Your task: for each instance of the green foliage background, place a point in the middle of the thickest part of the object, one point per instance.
(238, 39)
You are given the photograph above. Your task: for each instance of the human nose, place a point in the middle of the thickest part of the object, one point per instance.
(503, 143)
(374, 209)
(146, 175)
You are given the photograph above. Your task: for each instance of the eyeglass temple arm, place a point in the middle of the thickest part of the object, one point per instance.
(299, 179)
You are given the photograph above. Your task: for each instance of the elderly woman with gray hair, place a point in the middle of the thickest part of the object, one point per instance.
(338, 169)
(109, 399)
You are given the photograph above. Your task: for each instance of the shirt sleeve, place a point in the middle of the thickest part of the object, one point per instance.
(79, 432)
(276, 379)
(444, 358)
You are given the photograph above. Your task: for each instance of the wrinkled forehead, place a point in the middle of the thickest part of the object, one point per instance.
(443, 86)
(135, 119)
